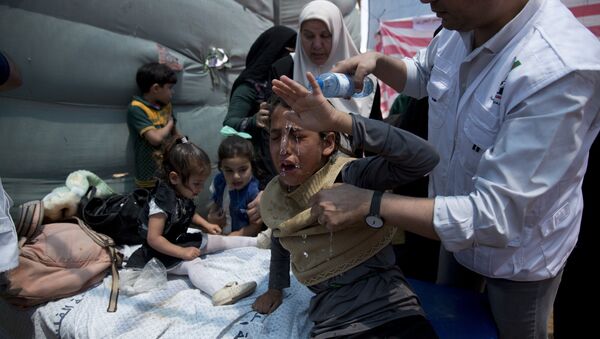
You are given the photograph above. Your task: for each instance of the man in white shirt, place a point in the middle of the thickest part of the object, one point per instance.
(513, 95)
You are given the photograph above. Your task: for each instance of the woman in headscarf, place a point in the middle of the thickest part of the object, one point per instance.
(248, 111)
(323, 41)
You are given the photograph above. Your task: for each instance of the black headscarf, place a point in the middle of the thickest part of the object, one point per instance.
(269, 47)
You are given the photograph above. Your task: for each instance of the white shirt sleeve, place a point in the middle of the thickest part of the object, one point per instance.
(154, 209)
(418, 69)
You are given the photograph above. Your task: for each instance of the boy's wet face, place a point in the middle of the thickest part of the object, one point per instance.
(297, 153)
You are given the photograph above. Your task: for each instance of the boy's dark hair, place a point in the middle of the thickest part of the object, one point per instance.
(154, 73)
(183, 157)
(276, 100)
(235, 146)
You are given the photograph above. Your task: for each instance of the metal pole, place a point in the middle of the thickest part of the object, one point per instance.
(276, 18)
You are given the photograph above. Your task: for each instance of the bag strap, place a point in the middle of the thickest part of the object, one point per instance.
(115, 257)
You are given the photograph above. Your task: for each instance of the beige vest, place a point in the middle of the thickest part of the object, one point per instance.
(316, 253)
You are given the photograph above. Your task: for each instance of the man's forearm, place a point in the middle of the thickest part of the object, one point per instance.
(414, 215)
(391, 71)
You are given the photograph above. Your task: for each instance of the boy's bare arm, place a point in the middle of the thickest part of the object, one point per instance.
(157, 135)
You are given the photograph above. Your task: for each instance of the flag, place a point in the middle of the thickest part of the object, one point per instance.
(402, 38)
(587, 12)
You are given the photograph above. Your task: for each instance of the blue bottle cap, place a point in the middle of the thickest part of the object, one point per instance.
(320, 82)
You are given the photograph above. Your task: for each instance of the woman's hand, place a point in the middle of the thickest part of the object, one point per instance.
(262, 116)
(268, 302)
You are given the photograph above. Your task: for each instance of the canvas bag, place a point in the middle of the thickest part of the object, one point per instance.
(64, 259)
(116, 216)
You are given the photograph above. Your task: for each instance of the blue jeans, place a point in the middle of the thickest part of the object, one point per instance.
(521, 308)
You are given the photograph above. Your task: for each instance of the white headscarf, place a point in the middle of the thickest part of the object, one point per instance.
(342, 47)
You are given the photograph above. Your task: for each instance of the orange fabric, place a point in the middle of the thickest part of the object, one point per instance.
(62, 261)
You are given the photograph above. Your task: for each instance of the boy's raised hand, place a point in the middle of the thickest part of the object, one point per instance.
(310, 110)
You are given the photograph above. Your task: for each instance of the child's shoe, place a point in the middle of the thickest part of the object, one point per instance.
(233, 292)
(263, 239)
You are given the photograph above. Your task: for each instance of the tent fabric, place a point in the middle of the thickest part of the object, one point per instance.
(78, 62)
(289, 10)
(404, 37)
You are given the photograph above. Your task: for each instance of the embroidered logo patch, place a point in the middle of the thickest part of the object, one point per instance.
(498, 96)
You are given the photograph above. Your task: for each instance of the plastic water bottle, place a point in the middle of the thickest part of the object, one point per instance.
(339, 85)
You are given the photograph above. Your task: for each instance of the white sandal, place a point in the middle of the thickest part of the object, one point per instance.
(233, 292)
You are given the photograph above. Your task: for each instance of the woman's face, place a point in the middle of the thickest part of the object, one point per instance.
(297, 153)
(316, 41)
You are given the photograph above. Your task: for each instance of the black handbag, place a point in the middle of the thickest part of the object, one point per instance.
(117, 216)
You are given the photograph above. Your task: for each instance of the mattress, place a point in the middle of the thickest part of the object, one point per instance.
(176, 310)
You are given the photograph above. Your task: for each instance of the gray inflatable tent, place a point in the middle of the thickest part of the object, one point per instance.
(78, 61)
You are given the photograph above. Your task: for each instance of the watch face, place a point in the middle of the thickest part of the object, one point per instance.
(374, 221)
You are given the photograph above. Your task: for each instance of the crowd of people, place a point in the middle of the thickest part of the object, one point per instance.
(511, 109)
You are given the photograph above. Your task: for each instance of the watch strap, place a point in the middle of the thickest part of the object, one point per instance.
(376, 203)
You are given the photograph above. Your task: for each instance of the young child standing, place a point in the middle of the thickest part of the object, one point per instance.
(150, 118)
(359, 291)
(183, 170)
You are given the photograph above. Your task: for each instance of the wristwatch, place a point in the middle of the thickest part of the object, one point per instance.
(373, 219)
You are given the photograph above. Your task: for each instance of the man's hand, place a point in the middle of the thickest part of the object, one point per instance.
(340, 205)
(268, 302)
(253, 210)
(360, 65)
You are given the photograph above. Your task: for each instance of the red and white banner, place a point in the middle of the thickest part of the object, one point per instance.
(404, 37)
(588, 12)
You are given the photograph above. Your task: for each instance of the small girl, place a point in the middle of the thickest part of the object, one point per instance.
(359, 291)
(229, 207)
(184, 168)
(235, 165)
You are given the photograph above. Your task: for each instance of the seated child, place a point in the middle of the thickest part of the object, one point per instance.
(150, 118)
(235, 187)
(358, 288)
(183, 169)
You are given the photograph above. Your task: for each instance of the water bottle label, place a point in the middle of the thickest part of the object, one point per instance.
(346, 86)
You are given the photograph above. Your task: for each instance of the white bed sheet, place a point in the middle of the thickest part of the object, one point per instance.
(179, 310)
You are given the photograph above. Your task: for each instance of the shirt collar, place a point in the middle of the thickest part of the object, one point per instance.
(147, 103)
(496, 43)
